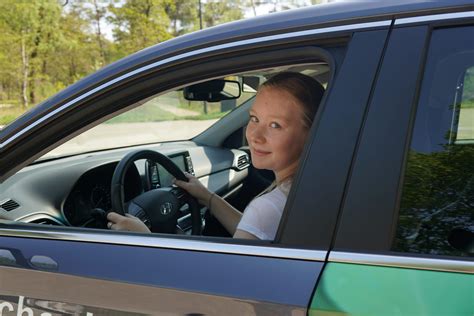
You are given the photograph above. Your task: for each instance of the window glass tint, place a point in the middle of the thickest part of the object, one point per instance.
(437, 204)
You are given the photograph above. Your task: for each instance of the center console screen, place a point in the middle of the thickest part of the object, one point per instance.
(158, 175)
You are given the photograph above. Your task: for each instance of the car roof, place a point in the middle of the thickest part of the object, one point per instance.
(321, 15)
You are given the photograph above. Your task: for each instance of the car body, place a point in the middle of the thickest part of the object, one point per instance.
(379, 220)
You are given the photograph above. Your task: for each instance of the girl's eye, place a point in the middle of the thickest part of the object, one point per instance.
(274, 125)
(253, 119)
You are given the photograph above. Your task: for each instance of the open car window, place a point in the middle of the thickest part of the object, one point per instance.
(174, 115)
(166, 117)
(71, 185)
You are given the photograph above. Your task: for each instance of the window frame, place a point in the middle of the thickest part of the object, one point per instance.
(374, 188)
(321, 166)
(122, 98)
(452, 71)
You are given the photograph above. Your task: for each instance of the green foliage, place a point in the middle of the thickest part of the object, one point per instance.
(438, 189)
(140, 23)
(44, 49)
(183, 15)
(46, 45)
(218, 12)
(9, 111)
(468, 89)
(467, 104)
(203, 117)
(437, 197)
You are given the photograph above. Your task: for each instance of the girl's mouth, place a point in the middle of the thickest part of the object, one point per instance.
(260, 152)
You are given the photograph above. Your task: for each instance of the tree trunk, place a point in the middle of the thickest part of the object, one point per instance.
(25, 68)
(32, 86)
(253, 8)
(98, 16)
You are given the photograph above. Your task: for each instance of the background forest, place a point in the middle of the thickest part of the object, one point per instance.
(47, 45)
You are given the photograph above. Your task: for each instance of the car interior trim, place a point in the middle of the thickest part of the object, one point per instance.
(440, 264)
(169, 243)
(435, 17)
(269, 38)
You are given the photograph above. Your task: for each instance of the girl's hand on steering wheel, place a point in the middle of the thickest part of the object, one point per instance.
(195, 188)
(127, 223)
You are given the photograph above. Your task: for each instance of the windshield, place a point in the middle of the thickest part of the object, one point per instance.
(167, 117)
(180, 114)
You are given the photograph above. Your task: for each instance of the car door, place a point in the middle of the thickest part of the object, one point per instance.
(46, 270)
(405, 240)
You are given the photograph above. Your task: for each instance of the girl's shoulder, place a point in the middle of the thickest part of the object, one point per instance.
(276, 196)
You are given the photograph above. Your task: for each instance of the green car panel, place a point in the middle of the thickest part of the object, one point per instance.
(355, 289)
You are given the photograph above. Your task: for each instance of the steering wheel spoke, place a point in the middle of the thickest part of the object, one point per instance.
(135, 210)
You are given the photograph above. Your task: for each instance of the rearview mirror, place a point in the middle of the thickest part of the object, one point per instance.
(213, 91)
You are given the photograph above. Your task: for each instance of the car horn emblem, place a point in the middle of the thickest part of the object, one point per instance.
(166, 208)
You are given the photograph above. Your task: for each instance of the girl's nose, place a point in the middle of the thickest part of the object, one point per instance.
(257, 134)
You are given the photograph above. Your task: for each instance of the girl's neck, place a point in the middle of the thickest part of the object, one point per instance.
(285, 175)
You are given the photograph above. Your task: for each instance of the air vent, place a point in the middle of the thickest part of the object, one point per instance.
(243, 162)
(45, 221)
(9, 205)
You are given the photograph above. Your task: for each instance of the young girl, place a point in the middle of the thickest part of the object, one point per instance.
(280, 119)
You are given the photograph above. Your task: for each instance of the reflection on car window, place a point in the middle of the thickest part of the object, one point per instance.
(465, 130)
(167, 117)
(437, 205)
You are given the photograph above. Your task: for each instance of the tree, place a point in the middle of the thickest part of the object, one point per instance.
(183, 15)
(45, 35)
(97, 14)
(77, 49)
(218, 12)
(437, 197)
(19, 21)
(140, 23)
(31, 29)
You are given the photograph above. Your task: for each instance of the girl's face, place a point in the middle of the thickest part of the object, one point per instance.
(275, 132)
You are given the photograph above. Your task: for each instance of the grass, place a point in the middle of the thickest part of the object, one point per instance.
(202, 117)
(148, 113)
(9, 113)
(467, 104)
(167, 107)
(143, 114)
(152, 113)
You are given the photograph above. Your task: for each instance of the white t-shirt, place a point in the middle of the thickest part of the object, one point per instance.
(262, 216)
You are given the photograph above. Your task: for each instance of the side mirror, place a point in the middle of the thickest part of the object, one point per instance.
(213, 91)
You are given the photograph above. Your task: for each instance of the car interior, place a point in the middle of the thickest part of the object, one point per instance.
(198, 128)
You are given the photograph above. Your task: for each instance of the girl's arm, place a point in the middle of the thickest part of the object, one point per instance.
(227, 215)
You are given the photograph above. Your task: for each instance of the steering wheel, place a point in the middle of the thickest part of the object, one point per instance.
(158, 208)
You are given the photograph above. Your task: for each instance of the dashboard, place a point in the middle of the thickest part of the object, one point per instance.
(67, 191)
(92, 192)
